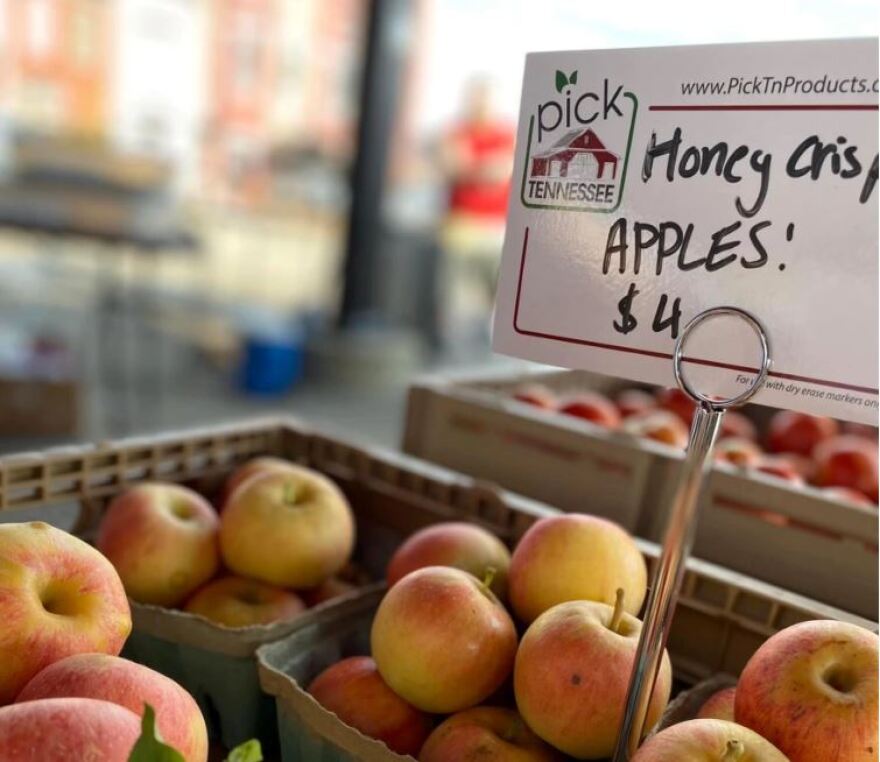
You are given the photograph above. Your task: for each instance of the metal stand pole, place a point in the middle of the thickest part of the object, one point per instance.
(679, 532)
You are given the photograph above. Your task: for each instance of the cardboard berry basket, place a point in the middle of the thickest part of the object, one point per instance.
(391, 495)
(795, 537)
(721, 620)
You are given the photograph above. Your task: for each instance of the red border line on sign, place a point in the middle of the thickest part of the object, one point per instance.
(762, 107)
(660, 355)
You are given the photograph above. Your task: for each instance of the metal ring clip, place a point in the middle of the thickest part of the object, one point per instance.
(760, 377)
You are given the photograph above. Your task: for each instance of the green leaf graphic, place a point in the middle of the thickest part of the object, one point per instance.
(573, 78)
(561, 81)
(249, 751)
(149, 747)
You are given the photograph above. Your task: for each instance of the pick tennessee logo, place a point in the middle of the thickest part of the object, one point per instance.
(578, 148)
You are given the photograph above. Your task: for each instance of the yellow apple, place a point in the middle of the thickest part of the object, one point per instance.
(572, 674)
(575, 557)
(290, 528)
(239, 602)
(58, 597)
(711, 741)
(442, 640)
(162, 539)
(811, 689)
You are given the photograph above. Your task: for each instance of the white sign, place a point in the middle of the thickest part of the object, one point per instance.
(652, 184)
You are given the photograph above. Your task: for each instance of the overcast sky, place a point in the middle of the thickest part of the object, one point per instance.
(493, 36)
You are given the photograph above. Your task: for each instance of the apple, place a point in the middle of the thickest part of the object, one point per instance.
(442, 640)
(162, 539)
(659, 425)
(575, 557)
(708, 740)
(719, 706)
(486, 734)
(67, 730)
(593, 407)
(847, 461)
(678, 402)
(291, 528)
(330, 588)
(453, 543)
(251, 468)
(779, 467)
(632, 401)
(848, 495)
(58, 597)
(130, 685)
(738, 452)
(537, 395)
(798, 432)
(572, 673)
(239, 602)
(355, 692)
(737, 425)
(811, 689)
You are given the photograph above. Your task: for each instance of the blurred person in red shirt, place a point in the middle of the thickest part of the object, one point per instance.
(477, 160)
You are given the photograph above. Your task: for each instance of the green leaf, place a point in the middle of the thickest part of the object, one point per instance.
(149, 747)
(573, 78)
(561, 81)
(249, 751)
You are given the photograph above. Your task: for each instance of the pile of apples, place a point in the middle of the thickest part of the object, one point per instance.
(65, 694)
(283, 535)
(840, 459)
(479, 654)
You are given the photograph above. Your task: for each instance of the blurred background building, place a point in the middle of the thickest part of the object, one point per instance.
(212, 207)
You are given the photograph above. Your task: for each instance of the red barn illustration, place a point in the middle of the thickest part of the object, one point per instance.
(579, 154)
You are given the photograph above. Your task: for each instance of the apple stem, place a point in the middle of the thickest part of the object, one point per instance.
(489, 576)
(617, 614)
(734, 751)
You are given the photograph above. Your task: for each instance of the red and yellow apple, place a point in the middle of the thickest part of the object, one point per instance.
(130, 685)
(798, 432)
(659, 425)
(811, 690)
(592, 407)
(719, 706)
(67, 730)
(737, 425)
(442, 640)
(58, 597)
(632, 401)
(330, 588)
(779, 467)
(572, 673)
(453, 543)
(355, 692)
(676, 401)
(738, 452)
(708, 740)
(162, 539)
(847, 461)
(575, 557)
(251, 468)
(240, 602)
(290, 528)
(537, 395)
(486, 734)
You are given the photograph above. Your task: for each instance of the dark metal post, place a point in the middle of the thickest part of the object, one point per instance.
(386, 46)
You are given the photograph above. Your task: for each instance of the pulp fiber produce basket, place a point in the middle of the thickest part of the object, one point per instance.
(721, 620)
(750, 522)
(391, 495)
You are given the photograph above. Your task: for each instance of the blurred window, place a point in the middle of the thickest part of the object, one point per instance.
(40, 27)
